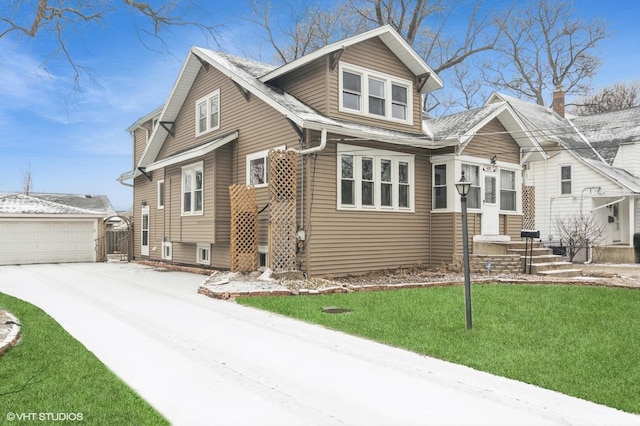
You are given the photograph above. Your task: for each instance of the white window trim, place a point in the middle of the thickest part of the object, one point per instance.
(199, 248)
(167, 247)
(215, 93)
(161, 194)
(446, 186)
(517, 183)
(365, 74)
(264, 250)
(191, 168)
(144, 248)
(257, 155)
(377, 154)
(570, 180)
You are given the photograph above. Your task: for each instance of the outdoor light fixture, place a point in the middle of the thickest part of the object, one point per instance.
(463, 187)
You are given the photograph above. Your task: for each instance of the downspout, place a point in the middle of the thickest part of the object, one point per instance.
(315, 149)
(307, 182)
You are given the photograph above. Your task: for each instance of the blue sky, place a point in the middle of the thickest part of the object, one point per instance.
(75, 141)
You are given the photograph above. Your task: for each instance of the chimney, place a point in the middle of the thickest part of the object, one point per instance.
(557, 104)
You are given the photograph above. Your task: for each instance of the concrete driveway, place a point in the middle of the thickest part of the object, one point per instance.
(205, 361)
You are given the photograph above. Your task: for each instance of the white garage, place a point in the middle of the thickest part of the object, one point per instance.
(39, 231)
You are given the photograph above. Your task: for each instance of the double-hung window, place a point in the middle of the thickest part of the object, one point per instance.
(565, 180)
(472, 174)
(192, 189)
(507, 190)
(440, 186)
(374, 94)
(208, 113)
(372, 179)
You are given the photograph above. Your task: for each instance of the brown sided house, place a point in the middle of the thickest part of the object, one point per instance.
(374, 181)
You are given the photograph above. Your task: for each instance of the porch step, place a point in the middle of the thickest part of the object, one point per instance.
(543, 258)
(553, 268)
(561, 273)
(537, 251)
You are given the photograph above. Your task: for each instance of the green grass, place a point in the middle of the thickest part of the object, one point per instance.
(51, 372)
(581, 341)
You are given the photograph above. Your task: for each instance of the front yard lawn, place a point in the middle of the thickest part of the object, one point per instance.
(578, 340)
(51, 376)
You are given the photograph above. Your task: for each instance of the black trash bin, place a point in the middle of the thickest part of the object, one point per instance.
(636, 246)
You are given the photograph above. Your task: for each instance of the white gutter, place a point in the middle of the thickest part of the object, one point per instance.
(313, 150)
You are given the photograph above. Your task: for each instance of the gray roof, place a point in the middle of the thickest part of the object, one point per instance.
(548, 126)
(55, 204)
(607, 131)
(456, 125)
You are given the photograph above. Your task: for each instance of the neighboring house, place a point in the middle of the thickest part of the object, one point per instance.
(592, 168)
(50, 228)
(375, 182)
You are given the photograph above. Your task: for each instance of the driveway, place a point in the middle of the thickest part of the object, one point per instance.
(205, 361)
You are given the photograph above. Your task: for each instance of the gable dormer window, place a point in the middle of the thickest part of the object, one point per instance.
(385, 96)
(208, 113)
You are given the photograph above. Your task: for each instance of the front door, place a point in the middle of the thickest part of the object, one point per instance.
(144, 231)
(490, 217)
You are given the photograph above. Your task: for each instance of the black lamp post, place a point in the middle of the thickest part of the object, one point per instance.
(463, 188)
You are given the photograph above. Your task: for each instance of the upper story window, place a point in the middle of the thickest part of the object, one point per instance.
(208, 113)
(565, 180)
(192, 189)
(372, 179)
(440, 186)
(508, 190)
(384, 96)
(257, 164)
(472, 174)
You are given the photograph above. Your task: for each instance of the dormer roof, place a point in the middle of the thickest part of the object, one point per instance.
(388, 36)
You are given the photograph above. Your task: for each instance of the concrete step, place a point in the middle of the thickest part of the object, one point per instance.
(537, 251)
(537, 268)
(543, 258)
(561, 273)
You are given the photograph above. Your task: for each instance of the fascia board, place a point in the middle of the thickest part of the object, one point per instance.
(388, 36)
(250, 87)
(170, 109)
(193, 153)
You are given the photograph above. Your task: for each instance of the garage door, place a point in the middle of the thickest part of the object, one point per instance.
(47, 241)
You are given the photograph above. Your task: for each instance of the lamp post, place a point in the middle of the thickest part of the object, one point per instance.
(463, 187)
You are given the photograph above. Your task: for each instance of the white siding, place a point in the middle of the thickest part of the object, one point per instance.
(550, 204)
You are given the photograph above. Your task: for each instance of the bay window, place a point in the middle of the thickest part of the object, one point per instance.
(472, 174)
(440, 186)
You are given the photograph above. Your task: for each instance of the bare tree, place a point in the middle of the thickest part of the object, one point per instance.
(579, 231)
(422, 23)
(612, 98)
(297, 32)
(63, 18)
(544, 47)
(27, 179)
